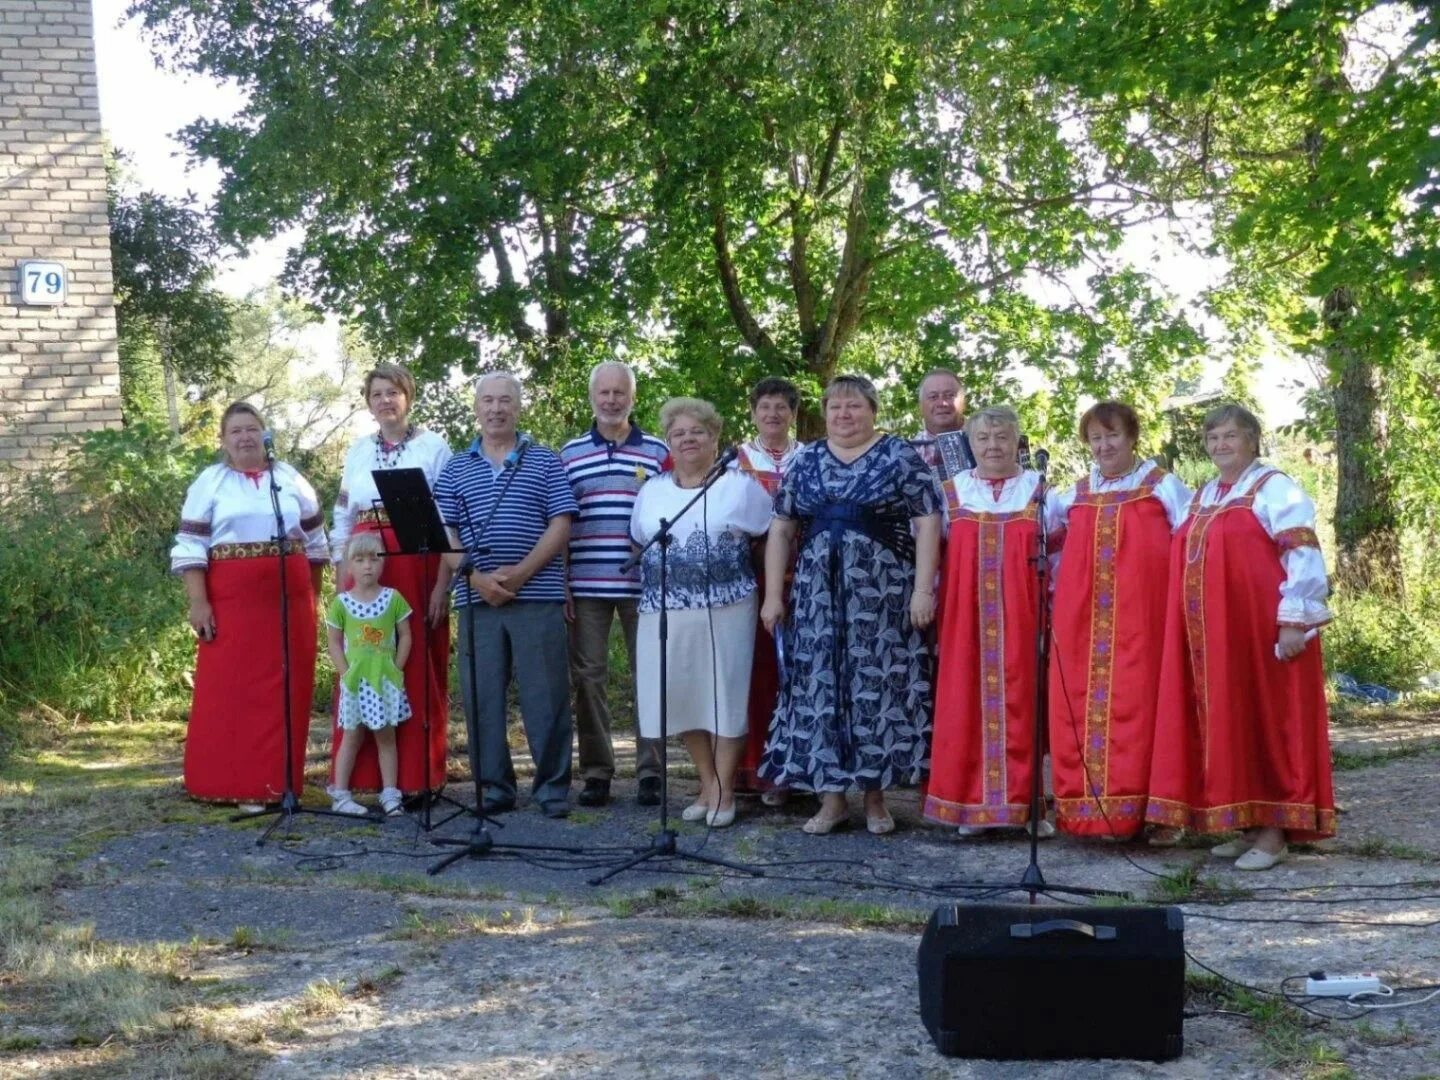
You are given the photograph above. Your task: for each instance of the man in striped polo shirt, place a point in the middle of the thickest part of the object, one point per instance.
(508, 505)
(606, 467)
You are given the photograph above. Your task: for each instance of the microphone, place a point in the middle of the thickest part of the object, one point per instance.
(1042, 459)
(725, 460)
(268, 441)
(512, 459)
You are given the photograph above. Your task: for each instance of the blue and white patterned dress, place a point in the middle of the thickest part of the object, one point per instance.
(848, 624)
(711, 601)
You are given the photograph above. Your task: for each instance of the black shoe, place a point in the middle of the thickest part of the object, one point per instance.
(649, 794)
(595, 793)
(497, 806)
(557, 809)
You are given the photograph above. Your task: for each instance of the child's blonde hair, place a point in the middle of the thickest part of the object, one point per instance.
(364, 543)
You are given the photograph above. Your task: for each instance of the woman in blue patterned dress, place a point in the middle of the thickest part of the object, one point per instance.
(710, 600)
(865, 506)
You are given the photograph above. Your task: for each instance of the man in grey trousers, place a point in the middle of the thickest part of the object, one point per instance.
(507, 503)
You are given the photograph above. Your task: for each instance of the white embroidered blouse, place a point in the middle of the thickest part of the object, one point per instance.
(1009, 496)
(227, 506)
(424, 450)
(1287, 515)
(1170, 491)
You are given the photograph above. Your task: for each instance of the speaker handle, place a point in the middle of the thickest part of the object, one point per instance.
(1062, 926)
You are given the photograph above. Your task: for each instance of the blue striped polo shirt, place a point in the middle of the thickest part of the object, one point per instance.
(537, 491)
(606, 476)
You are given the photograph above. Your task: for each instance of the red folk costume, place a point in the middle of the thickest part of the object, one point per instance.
(234, 742)
(1108, 621)
(768, 468)
(357, 509)
(1242, 738)
(980, 761)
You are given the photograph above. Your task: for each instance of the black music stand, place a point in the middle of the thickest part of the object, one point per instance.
(415, 521)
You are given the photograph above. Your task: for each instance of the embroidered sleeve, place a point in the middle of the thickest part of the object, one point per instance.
(192, 542)
(312, 520)
(1288, 515)
(342, 518)
(1298, 537)
(1175, 497)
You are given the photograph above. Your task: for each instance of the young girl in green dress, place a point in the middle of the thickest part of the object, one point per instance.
(369, 636)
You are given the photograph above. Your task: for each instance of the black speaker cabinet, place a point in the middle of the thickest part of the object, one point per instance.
(1014, 981)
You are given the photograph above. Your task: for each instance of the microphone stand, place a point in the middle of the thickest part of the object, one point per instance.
(664, 843)
(290, 806)
(480, 843)
(1032, 881)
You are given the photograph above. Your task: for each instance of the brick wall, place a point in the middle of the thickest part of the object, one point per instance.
(59, 372)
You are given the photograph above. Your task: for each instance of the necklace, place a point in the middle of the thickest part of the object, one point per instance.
(388, 454)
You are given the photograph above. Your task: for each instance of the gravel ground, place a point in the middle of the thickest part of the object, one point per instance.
(512, 964)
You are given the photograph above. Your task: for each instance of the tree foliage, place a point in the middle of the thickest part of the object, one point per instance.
(173, 325)
(719, 190)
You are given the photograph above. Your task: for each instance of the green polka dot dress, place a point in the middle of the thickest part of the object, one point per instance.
(372, 690)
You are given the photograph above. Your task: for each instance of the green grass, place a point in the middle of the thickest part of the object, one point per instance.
(1189, 882)
(1345, 761)
(1286, 1034)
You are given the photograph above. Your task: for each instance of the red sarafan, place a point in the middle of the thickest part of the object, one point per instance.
(1241, 736)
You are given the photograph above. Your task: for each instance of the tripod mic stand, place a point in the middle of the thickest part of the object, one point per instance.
(665, 843)
(289, 807)
(480, 843)
(1032, 880)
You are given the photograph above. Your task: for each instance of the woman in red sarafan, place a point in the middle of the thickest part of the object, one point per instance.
(1108, 622)
(982, 749)
(424, 582)
(1242, 738)
(227, 555)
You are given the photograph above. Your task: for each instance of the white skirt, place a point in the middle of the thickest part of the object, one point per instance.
(705, 694)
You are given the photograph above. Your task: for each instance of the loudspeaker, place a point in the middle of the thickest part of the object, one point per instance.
(1016, 981)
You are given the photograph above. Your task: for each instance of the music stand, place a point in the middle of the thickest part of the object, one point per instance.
(415, 521)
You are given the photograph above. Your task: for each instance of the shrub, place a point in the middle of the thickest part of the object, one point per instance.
(1379, 641)
(96, 628)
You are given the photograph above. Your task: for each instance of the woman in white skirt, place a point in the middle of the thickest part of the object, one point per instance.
(711, 601)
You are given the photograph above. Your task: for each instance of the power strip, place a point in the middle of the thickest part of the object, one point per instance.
(1320, 984)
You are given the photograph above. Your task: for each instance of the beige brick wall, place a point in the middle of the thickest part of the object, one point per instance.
(59, 372)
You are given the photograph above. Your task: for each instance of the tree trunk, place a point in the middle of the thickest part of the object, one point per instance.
(1367, 531)
(172, 400)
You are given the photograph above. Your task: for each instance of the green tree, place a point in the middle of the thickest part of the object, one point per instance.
(721, 191)
(173, 326)
(1310, 132)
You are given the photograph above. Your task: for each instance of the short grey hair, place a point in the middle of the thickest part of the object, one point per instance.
(936, 373)
(612, 365)
(1240, 416)
(507, 376)
(851, 386)
(993, 416)
(702, 411)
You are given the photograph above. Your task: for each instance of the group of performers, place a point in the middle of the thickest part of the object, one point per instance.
(858, 613)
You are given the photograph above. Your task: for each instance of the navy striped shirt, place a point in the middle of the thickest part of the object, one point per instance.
(606, 476)
(537, 491)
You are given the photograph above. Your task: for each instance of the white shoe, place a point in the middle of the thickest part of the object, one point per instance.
(969, 830)
(391, 801)
(774, 797)
(1044, 829)
(342, 803)
(696, 811)
(1255, 859)
(1231, 849)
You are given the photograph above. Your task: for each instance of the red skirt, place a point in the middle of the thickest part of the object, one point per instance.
(981, 752)
(1241, 738)
(235, 741)
(764, 689)
(408, 575)
(1109, 622)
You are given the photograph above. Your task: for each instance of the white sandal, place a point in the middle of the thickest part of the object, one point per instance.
(392, 802)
